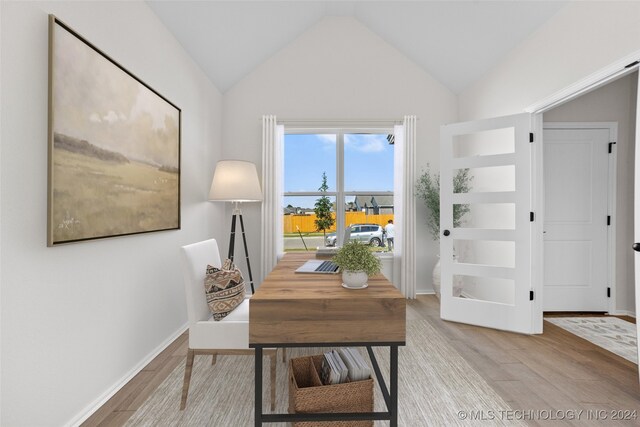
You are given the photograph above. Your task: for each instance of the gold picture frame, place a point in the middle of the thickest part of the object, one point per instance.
(113, 146)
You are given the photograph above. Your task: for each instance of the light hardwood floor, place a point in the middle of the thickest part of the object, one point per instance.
(554, 370)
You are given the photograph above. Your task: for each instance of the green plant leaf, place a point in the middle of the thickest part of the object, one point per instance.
(356, 256)
(428, 190)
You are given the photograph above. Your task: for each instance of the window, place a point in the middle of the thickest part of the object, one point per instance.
(358, 165)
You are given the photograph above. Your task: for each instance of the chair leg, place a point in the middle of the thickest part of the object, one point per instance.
(273, 358)
(284, 354)
(187, 378)
(214, 359)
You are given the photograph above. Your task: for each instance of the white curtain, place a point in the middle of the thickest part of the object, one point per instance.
(404, 255)
(272, 189)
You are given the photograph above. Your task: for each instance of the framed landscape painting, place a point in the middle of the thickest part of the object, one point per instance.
(114, 146)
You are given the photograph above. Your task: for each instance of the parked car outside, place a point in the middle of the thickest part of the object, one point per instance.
(371, 234)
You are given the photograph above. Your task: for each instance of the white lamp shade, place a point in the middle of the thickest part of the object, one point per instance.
(235, 181)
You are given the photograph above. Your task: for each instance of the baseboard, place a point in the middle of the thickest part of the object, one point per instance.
(623, 313)
(96, 404)
(423, 292)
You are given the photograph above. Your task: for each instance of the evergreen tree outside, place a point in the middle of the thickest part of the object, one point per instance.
(324, 220)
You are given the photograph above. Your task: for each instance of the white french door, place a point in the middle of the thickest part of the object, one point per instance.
(489, 281)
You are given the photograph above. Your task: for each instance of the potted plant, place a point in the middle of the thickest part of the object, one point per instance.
(356, 263)
(428, 189)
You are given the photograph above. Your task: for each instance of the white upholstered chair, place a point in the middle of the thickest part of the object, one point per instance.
(207, 336)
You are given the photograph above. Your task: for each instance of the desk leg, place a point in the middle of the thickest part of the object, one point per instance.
(393, 379)
(258, 387)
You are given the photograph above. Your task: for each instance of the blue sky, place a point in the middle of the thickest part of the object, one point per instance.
(368, 162)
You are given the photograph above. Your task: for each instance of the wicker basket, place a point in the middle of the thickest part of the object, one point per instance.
(308, 395)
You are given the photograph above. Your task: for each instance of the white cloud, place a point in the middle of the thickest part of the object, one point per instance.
(327, 138)
(95, 118)
(157, 108)
(111, 117)
(366, 143)
(328, 141)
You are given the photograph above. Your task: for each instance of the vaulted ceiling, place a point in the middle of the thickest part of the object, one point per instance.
(454, 41)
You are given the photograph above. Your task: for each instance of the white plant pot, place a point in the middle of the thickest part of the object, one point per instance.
(354, 279)
(436, 277)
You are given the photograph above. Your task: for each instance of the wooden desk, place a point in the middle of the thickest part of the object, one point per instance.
(314, 310)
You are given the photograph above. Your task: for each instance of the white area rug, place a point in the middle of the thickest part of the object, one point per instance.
(613, 334)
(435, 384)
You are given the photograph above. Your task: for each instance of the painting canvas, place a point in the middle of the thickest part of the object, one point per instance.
(114, 146)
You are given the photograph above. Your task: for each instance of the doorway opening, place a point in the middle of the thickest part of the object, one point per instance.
(588, 159)
(579, 187)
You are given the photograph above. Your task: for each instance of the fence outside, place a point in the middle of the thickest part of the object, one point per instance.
(306, 222)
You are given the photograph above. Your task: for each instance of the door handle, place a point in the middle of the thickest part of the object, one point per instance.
(636, 247)
(446, 232)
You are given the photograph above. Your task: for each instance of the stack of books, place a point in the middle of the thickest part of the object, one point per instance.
(346, 364)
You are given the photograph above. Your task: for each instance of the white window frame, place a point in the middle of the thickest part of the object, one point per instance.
(340, 194)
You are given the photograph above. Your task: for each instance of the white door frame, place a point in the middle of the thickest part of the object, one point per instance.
(622, 67)
(619, 68)
(611, 199)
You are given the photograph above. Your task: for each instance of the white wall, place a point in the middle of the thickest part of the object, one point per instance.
(615, 102)
(579, 40)
(338, 69)
(77, 319)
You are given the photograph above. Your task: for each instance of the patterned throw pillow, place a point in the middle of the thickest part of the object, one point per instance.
(224, 288)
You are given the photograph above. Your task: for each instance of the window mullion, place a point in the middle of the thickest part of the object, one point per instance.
(340, 225)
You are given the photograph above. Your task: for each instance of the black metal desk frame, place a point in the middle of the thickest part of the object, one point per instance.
(390, 395)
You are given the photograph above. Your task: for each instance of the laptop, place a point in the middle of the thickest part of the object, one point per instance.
(318, 266)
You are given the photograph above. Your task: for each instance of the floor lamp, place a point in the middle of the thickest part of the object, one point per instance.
(236, 181)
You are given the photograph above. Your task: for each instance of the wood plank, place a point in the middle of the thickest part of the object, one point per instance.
(521, 396)
(117, 419)
(550, 365)
(137, 383)
(596, 359)
(177, 345)
(135, 400)
(315, 308)
(483, 345)
(450, 330)
(490, 368)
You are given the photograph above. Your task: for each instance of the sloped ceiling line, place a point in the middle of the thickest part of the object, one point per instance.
(454, 41)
